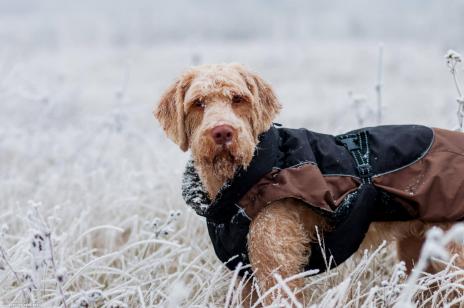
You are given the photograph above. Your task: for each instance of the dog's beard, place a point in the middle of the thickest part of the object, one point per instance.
(225, 164)
(221, 161)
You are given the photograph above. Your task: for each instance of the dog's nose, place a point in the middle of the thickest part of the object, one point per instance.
(222, 134)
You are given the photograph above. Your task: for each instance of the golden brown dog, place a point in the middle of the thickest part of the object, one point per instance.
(218, 111)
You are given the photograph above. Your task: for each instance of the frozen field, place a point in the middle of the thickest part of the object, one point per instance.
(78, 138)
(83, 161)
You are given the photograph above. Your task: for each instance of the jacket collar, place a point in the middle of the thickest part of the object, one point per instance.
(225, 206)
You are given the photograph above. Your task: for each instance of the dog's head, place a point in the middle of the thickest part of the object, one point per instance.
(218, 111)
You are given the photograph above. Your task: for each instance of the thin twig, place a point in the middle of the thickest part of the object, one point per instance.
(379, 85)
(287, 290)
(52, 260)
(5, 259)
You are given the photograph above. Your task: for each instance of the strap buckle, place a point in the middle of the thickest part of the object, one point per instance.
(358, 146)
(350, 143)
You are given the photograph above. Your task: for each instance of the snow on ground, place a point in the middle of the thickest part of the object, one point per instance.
(83, 162)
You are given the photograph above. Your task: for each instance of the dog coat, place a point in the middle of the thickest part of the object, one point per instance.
(385, 173)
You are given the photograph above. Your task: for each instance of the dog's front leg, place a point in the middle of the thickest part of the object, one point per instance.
(278, 243)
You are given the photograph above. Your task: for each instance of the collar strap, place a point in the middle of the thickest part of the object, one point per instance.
(358, 145)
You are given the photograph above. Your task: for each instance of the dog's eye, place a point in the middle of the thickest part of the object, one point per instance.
(199, 103)
(237, 99)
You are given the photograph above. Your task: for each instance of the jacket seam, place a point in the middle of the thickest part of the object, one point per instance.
(319, 207)
(242, 211)
(448, 151)
(345, 175)
(427, 151)
(315, 164)
(306, 162)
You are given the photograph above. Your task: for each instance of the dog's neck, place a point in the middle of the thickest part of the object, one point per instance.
(214, 175)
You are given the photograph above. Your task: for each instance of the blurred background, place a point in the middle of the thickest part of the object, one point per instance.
(87, 56)
(79, 79)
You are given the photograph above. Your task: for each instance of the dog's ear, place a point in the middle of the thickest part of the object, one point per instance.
(170, 112)
(270, 105)
(267, 106)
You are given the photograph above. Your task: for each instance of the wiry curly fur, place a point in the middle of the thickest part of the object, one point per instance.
(231, 95)
(207, 96)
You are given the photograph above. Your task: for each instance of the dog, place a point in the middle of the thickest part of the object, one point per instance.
(223, 114)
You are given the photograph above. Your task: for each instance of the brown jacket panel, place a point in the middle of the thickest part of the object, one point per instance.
(304, 182)
(433, 186)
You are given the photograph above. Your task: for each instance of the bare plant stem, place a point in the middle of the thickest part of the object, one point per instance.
(287, 290)
(379, 85)
(455, 79)
(460, 113)
(48, 235)
(460, 99)
(5, 259)
(434, 246)
(410, 283)
(52, 259)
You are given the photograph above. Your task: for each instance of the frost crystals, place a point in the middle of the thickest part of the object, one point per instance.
(192, 190)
